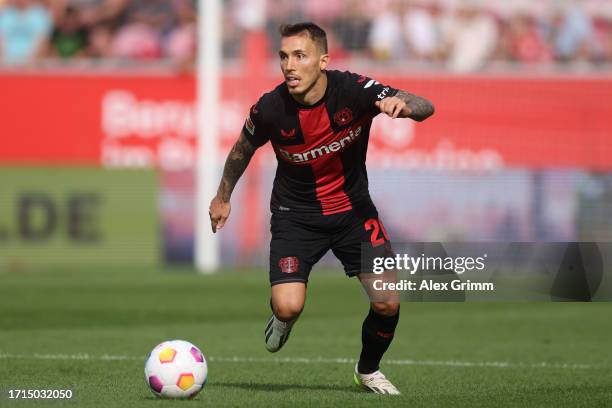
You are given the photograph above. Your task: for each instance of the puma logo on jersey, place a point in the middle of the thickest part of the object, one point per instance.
(370, 83)
(290, 133)
(323, 150)
(249, 125)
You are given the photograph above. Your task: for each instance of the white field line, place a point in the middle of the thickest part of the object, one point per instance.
(313, 360)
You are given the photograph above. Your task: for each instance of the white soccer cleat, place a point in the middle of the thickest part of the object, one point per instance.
(277, 332)
(375, 382)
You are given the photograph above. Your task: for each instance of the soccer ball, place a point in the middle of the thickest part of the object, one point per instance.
(176, 369)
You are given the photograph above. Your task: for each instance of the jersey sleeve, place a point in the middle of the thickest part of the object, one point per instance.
(254, 126)
(367, 91)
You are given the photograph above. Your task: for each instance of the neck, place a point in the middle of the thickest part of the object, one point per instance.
(314, 93)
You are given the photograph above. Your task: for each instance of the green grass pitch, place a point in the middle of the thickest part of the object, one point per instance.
(90, 331)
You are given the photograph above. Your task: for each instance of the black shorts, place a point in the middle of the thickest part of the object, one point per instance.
(300, 240)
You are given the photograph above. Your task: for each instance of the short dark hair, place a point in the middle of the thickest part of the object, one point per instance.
(316, 33)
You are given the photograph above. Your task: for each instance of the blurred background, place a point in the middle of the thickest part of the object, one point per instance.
(98, 122)
(446, 35)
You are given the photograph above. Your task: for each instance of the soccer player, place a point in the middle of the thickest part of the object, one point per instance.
(318, 122)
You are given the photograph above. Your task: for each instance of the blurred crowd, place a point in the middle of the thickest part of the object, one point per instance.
(461, 35)
(116, 30)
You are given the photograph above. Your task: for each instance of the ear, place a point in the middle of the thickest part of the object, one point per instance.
(323, 61)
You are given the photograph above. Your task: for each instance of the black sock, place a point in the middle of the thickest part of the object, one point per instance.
(376, 336)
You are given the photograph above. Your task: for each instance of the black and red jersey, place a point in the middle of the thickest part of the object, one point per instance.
(321, 148)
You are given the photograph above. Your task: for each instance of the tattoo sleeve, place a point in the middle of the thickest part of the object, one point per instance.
(237, 161)
(420, 107)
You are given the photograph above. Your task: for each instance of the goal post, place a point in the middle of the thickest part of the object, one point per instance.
(208, 78)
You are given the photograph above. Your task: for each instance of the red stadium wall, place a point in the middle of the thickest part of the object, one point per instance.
(480, 122)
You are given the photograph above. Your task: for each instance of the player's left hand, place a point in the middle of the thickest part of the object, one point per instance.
(219, 211)
(393, 106)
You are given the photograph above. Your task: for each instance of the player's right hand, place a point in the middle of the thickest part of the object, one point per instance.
(393, 107)
(219, 212)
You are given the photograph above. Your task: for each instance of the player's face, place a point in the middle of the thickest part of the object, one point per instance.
(302, 63)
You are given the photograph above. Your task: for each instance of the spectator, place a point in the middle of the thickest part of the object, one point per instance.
(69, 38)
(526, 44)
(181, 43)
(422, 31)
(572, 32)
(146, 22)
(232, 37)
(100, 41)
(95, 12)
(385, 36)
(24, 29)
(249, 14)
(472, 37)
(352, 28)
(601, 44)
(137, 41)
(98, 19)
(157, 14)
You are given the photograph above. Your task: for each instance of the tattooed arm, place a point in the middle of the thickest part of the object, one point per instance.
(235, 164)
(406, 105)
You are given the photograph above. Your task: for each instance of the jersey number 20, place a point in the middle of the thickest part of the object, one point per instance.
(376, 226)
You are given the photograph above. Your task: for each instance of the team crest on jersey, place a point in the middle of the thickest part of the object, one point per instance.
(254, 110)
(343, 117)
(287, 133)
(250, 126)
(361, 79)
(289, 264)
